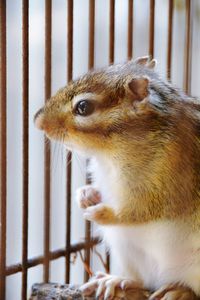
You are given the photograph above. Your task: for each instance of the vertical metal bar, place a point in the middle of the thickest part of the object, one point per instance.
(91, 33)
(90, 66)
(3, 152)
(151, 27)
(188, 46)
(87, 251)
(70, 19)
(111, 48)
(69, 156)
(48, 25)
(25, 100)
(130, 29)
(170, 35)
(112, 32)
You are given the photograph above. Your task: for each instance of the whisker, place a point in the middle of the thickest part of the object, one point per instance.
(76, 157)
(55, 154)
(79, 163)
(53, 157)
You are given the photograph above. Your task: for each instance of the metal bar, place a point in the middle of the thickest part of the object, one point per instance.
(130, 30)
(170, 35)
(25, 99)
(68, 216)
(48, 25)
(108, 261)
(70, 18)
(87, 250)
(188, 46)
(112, 32)
(111, 41)
(3, 146)
(151, 27)
(35, 261)
(90, 66)
(91, 34)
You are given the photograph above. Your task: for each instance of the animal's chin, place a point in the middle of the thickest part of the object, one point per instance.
(65, 144)
(80, 150)
(54, 136)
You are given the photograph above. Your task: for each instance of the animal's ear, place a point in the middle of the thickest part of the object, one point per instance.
(139, 87)
(146, 61)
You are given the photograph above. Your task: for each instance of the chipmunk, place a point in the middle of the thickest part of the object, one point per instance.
(142, 135)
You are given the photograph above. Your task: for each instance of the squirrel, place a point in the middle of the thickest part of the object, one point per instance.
(142, 135)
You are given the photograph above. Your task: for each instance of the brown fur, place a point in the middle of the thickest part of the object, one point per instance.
(151, 133)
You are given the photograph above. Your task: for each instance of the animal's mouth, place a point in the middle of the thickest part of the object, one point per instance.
(57, 134)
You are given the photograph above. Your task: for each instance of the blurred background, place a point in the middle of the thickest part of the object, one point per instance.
(140, 38)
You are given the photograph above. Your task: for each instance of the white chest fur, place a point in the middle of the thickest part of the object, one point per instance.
(156, 253)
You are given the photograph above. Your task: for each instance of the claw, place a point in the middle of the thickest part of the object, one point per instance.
(109, 287)
(88, 288)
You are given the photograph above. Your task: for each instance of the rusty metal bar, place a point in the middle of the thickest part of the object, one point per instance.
(35, 261)
(151, 27)
(130, 30)
(25, 99)
(188, 46)
(112, 32)
(90, 66)
(70, 18)
(87, 250)
(68, 216)
(111, 43)
(170, 35)
(3, 147)
(48, 25)
(91, 34)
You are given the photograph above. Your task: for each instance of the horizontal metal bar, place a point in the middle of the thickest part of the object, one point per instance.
(35, 261)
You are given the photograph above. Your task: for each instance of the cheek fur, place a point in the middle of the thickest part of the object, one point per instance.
(87, 140)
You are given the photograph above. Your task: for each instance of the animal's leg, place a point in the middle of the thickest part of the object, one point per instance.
(173, 292)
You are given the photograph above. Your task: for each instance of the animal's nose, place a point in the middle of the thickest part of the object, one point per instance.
(38, 118)
(38, 113)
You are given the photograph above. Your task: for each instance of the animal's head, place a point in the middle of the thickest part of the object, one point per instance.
(94, 112)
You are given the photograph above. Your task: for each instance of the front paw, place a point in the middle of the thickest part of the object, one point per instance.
(100, 213)
(87, 196)
(110, 287)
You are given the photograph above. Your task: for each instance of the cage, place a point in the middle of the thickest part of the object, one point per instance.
(43, 45)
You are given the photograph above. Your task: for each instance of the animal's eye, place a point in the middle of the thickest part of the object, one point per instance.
(84, 108)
